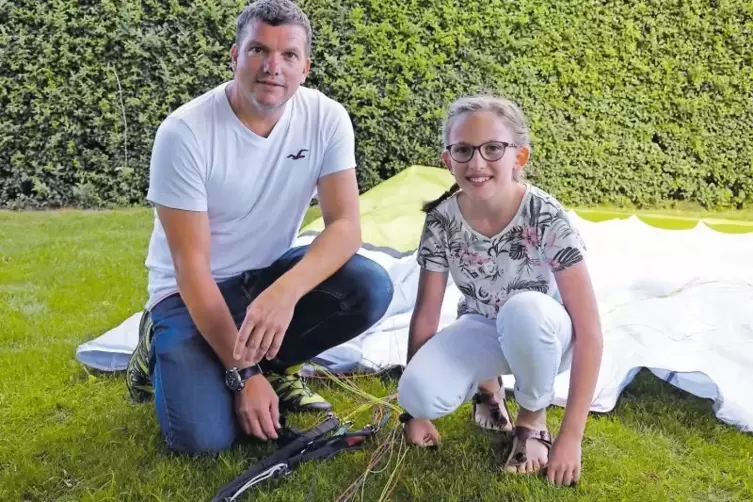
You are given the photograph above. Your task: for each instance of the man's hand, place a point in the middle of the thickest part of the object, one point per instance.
(564, 461)
(267, 320)
(257, 408)
(421, 432)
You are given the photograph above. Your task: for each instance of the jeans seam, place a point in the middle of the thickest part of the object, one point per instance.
(244, 286)
(170, 435)
(337, 297)
(322, 321)
(247, 288)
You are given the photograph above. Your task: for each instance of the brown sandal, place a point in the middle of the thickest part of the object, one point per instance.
(521, 435)
(502, 420)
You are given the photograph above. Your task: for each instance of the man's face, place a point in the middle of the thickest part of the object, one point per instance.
(270, 64)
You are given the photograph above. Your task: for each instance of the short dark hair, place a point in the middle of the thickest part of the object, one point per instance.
(276, 13)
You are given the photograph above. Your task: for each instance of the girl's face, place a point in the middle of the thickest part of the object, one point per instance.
(481, 155)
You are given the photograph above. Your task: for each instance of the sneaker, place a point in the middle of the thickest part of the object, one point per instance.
(137, 376)
(293, 392)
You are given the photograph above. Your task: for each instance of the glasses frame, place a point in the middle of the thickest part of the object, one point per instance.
(505, 146)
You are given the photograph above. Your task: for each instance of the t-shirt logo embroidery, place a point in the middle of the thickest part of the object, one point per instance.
(298, 155)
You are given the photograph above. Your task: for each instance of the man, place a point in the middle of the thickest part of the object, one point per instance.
(233, 311)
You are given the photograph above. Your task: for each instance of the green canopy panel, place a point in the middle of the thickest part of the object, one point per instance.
(391, 213)
(392, 217)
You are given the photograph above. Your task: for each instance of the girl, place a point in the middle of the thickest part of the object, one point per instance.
(527, 307)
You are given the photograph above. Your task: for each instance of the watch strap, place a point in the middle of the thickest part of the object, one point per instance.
(247, 373)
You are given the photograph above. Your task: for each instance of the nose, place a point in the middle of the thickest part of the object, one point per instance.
(272, 64)
(477, 161)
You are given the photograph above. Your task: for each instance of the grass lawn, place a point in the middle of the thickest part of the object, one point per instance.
(70, 434)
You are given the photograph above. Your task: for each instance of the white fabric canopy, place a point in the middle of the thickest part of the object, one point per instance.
(679, 302)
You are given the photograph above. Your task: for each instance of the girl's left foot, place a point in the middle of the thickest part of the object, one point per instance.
(530, 450)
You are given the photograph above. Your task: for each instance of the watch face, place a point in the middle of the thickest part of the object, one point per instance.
(233, 380)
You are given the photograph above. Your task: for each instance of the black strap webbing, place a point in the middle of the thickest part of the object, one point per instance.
(282, 455)
(331, 448)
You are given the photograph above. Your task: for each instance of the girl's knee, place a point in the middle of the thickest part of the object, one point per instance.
(423, 397)
(525, 305)
(535, 334)
(526, 314)
(414, 395)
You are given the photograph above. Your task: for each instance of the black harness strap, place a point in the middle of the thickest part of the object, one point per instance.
(298, 447)
(326, 449)
(280, 460)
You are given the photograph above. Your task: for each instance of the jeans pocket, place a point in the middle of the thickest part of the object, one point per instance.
(254, 282)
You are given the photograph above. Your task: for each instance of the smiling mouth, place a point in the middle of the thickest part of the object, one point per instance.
(478, 180)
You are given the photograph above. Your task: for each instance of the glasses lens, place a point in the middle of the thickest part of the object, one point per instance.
(493, 151)
(461, 153)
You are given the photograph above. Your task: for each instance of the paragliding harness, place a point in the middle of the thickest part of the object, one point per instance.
(301, 446)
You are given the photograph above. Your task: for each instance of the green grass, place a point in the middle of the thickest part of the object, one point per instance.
(70, 434)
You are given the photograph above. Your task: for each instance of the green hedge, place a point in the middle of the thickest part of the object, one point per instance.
(631, 102)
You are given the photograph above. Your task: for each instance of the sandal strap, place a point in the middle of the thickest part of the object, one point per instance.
(541, 435)
(521, 435)
(484, 398)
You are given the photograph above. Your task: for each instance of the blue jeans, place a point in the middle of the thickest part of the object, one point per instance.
(195, 409)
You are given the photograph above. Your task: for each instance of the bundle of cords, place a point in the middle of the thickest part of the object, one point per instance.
(318, 443)
(331, 437)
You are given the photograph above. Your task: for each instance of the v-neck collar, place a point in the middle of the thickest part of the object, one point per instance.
(261, 141)
(507, 227)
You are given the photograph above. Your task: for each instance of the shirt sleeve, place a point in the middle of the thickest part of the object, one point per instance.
(432, 249)
(563, 246)
(176, 173)
(340, 153)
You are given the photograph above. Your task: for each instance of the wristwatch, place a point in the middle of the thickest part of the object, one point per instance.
(235, 378)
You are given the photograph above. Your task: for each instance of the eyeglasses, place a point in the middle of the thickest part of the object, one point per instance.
(490, 151)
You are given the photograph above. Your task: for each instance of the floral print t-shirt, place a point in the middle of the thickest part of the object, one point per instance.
(537, 242)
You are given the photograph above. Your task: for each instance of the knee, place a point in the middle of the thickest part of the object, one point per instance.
(523, 315)
(423, 399)
(197, 440)
(191, 425)
(194, 408)
(414, 397)
(372, 288)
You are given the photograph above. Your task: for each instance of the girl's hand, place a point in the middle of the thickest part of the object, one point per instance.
(421, 432)
(564, 461)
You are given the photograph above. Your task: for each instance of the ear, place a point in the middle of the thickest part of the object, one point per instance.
(445, 157)
(522, 156)
(306, 70)
(233, 56)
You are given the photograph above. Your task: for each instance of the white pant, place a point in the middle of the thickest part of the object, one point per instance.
(532, 340)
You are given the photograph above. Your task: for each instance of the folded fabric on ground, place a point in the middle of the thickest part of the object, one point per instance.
(675, 301)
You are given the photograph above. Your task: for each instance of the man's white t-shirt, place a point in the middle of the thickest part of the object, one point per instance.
(255, 190)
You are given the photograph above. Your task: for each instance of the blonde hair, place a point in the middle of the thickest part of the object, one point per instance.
(503, 108)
